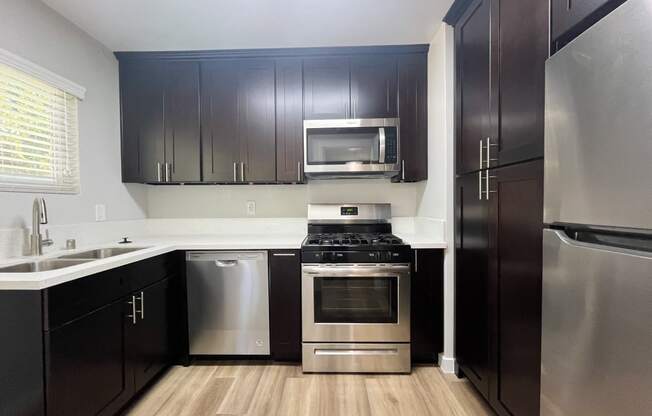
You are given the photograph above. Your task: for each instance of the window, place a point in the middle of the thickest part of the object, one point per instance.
(39, 140)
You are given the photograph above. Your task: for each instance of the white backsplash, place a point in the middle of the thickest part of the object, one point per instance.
(14, 242)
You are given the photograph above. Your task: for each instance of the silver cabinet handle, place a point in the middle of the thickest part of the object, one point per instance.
(416, 261)
(242, 171)
(167, 171)
(235, 171)
(487, 190)
(298, 171)
(142, 305)
(481, 155)
(158, 171)
(283, 254)
(489, 159)
(403, 169)
(381, 145)
(133, 310)
(480, 193)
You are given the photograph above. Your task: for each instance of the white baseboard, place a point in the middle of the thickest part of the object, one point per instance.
(448, 365)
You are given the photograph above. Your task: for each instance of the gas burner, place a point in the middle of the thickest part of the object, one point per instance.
(352, 239)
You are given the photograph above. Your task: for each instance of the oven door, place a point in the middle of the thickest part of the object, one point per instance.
(356, 303)
(351, 146)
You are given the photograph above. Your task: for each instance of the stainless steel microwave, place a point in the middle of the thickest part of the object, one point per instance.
(351, 148)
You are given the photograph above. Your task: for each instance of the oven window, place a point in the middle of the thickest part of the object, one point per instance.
(356, 299)
(343, 145)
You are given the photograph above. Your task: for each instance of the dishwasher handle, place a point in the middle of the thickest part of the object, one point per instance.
(226, 263)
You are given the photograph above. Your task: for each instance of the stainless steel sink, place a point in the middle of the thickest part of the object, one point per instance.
(101, 253)
(42, 266)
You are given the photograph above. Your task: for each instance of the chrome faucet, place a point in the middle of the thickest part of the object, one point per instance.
(39, 216)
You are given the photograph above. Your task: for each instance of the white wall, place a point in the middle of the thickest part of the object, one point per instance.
(275, 200)
(436, 197)
(35, 32)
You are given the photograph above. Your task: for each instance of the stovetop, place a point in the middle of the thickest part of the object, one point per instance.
(358, 240)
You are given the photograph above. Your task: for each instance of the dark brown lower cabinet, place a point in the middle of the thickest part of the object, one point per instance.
(285, 304)
(84, 363)
(471, 282)
(86, 347)
(498, 285)
(148, 343)
(427, 305)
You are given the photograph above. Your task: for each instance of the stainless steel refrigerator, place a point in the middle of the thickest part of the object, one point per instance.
(597, 279)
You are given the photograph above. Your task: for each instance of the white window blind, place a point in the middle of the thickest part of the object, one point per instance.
(39, 140)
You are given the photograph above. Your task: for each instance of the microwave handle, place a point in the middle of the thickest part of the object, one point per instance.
(381, 139)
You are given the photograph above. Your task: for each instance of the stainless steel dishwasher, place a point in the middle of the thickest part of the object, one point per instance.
(228, 302)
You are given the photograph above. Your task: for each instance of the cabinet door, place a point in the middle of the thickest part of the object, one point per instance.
(84, 360)
(257, 120)
(523, 48)
(471, 282)
(285, 305)
(182, 147)
(413, 113)
(326, 93)
(427, 306)
(289, 120)
(148, 342)
(373, 87)
(515, 284)
(143, 148)
(473, 109)
(219, 121)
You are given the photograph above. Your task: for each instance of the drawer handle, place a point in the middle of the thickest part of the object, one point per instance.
(283, 254)
(384, 351)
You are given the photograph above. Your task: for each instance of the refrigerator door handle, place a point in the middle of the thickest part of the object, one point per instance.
(565, 239)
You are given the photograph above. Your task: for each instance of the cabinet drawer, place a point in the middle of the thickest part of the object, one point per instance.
(71, 300)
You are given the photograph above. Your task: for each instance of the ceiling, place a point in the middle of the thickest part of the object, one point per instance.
(140, 25)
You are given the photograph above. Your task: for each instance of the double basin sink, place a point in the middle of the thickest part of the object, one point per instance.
(68, 260)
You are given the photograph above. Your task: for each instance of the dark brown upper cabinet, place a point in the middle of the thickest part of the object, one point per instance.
(160, 121)
(289, 120)
(500, 82)
(373, 87)
(237, 116)
(257, 120)
(571, 17)
(473, 87)
(238, 121)
(219, 115)
(143, 147)
(182, 136)
(522, 46)
(413, 114)
(326, 88)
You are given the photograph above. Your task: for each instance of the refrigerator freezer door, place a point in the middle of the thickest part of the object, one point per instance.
(598, 136)
(597, 336)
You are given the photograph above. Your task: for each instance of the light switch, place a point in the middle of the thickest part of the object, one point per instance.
(100, 212)
(251, 208)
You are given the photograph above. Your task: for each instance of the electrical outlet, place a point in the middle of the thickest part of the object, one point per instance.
(100, 212)
(251, 208)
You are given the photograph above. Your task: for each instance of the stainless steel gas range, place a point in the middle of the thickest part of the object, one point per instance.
(355, 291)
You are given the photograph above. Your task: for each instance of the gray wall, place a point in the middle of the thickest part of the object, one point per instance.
(35, 32)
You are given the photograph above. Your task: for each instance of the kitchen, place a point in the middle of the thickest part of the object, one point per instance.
(211, 211)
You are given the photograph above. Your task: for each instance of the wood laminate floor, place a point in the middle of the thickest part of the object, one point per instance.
(271, 389)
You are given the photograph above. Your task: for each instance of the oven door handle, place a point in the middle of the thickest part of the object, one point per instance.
(359, 270)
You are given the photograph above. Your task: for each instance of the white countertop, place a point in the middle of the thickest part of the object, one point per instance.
(157, 245)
